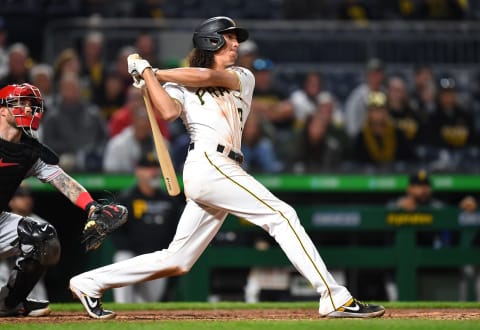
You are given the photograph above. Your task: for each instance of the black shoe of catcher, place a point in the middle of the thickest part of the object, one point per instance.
(356, 309)
(36, 308)
(93, 306)
(29, 307)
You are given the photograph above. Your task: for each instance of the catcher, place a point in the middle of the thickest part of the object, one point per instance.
(34, 243)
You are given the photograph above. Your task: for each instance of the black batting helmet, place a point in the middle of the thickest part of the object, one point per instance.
(208, 35)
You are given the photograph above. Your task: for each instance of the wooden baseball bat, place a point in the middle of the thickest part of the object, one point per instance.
(164, 158)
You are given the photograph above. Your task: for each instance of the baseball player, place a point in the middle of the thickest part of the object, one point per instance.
(213, 99)
(34, 242)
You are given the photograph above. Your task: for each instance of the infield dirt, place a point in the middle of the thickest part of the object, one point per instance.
(242, 314)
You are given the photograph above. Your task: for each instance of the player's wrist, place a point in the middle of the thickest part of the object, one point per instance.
(142, 65)
(84, 200)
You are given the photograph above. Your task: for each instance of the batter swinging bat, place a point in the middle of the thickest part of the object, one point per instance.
(164, 159)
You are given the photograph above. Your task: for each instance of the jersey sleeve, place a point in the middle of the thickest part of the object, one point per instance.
(175, 91)
(45, 172)
(247, 82)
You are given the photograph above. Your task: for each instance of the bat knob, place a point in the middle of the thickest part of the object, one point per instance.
(134, 56)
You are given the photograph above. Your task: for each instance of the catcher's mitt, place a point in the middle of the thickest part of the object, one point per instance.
(102, 221)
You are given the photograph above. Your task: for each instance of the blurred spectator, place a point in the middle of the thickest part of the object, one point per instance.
(120, 66)
(113, 96)
(92, 65)
(305, 99)
(452, 128)
(19, 65)
(152, 220)
(68, 61)
(403, 115)
(419, 195)
(356, 103)
(41, 75)
(22, 203)
(247, 54)
(423, 92)
(323, 143)
(442, 9)
(328, 104)
(354, 10)
(74, 128)
(271, 100)
(257, 147)
(124, 150)
(147, 48)
(380, 143)
(122, 117)
(3, 47)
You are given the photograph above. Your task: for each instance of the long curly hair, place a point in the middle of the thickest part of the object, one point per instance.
(199, 58)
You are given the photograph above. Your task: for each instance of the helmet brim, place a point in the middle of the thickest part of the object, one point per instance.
(242, 34)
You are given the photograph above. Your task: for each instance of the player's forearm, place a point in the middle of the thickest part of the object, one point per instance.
(73, 190)
(199, 77)
(169, 109)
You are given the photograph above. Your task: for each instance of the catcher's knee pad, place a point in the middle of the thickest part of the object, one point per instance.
(38, 241)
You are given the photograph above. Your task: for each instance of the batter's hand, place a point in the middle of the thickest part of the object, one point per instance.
(138, 82)
(102, 220)
(136, 65)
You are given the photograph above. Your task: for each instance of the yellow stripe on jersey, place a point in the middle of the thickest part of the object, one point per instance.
(284, 217)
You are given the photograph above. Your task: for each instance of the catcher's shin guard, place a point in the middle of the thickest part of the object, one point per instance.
(40, 248)
(23, 278)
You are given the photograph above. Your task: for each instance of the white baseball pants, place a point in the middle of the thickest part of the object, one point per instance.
(215, 186)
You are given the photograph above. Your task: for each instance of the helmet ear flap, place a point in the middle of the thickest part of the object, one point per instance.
(208, 41)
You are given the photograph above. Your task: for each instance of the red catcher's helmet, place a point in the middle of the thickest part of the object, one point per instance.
(209, 34)
(18, 97)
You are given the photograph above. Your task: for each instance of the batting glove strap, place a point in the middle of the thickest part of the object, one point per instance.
(137, 66)
(138, 82)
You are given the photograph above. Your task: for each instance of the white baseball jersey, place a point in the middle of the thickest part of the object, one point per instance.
(216, 115)
(216, 185)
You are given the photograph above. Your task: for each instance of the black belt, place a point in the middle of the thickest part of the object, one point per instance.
(220, 148)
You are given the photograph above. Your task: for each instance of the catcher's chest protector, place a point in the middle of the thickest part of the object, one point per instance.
(15, 161)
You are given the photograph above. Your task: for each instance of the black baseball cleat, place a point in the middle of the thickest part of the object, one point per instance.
(356, 309)
(93, 306)
(29, 307)
(36, 308)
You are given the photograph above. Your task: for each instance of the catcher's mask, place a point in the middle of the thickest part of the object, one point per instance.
(26, 105)
(209, 34)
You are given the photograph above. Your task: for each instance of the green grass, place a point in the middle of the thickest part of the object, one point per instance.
(335, 324)
(256, 325)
